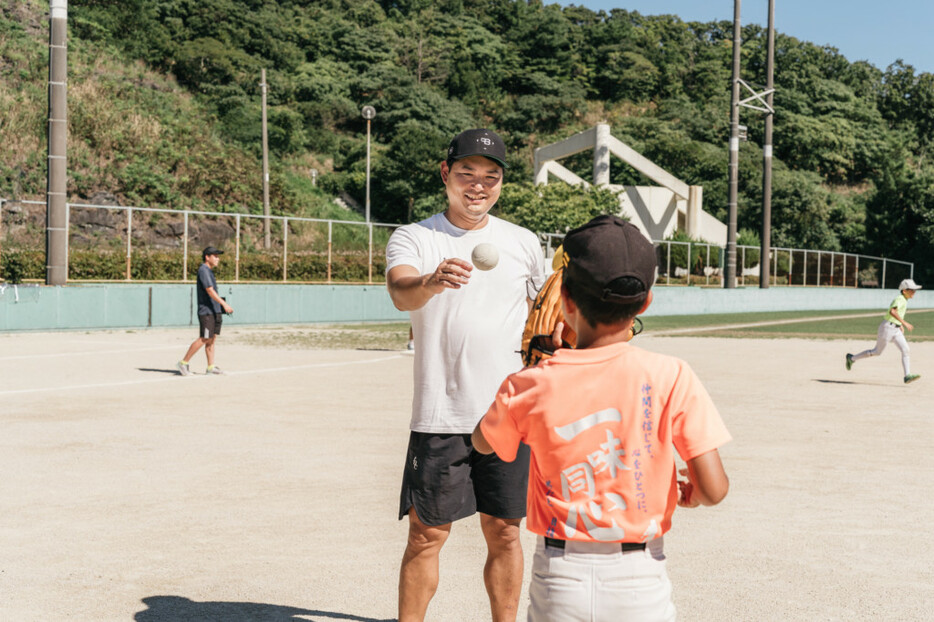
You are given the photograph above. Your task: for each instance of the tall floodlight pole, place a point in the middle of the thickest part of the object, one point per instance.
(56, 214)
(766, 248)
(267, 241)
(729, 275)
(368, 113)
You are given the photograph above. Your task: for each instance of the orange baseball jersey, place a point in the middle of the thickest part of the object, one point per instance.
(603, 424)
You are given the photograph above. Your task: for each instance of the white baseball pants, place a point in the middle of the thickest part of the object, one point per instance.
(888, 332)
(596, 582)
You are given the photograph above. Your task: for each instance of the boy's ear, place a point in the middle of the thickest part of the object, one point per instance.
(645, 305)
(444, 171)
(567, 305)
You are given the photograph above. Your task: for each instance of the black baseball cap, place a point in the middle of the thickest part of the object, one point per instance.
(603, 251)
(210, 250)
(478, 142)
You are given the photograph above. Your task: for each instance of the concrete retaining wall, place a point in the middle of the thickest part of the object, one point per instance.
(31, 307)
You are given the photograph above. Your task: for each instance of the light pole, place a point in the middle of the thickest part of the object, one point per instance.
(368, 113)
(729, 275)
(56, 213)
(267, 241)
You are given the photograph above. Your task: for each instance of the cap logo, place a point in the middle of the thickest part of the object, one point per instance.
(486, 141)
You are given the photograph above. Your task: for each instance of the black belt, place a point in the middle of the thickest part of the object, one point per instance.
(624, 546)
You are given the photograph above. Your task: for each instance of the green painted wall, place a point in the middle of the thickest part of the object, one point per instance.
(101, 306)
(141, 306)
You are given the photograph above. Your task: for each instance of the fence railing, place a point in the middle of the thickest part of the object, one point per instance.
(120, 243)
(700, 263)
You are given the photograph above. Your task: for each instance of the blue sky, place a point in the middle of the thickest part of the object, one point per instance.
(878, 31)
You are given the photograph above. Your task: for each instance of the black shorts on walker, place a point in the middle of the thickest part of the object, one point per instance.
(209, 325)
(446, 480)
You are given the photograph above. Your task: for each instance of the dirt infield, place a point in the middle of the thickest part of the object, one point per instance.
(130, 493)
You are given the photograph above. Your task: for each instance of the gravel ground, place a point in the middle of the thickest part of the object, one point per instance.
(130, 493)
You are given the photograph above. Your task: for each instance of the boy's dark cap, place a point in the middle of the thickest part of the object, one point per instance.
(478, 142)
(606, 249)
(210, 250)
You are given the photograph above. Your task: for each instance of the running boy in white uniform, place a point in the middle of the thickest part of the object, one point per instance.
(893, 328)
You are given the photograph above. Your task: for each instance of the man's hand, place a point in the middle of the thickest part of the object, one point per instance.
(227, 308)
(450, 274)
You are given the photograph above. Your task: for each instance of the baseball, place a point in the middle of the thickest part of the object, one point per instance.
(485, 256)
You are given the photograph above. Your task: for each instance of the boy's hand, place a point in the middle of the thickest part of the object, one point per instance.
(907, 325)
(686, 491)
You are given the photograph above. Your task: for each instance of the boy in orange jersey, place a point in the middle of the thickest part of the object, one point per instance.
(603, 422)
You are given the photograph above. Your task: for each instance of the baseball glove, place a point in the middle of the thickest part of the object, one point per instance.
(537, 342)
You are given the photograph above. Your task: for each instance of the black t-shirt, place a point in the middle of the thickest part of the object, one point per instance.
(206, 304)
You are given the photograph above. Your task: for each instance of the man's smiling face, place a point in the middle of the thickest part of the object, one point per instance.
(473, 185)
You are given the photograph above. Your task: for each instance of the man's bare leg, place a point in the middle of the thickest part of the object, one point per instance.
(209, 351)
(418, 577)
(193, 348)
(502, 573)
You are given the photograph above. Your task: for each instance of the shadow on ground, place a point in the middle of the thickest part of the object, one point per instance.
(871, 384)
(173, 372)
(181, 609)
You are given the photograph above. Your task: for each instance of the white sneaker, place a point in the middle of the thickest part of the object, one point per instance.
(410, 345)
(183, 368)
(215, 371)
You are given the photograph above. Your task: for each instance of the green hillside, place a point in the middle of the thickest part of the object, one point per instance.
(165, 110)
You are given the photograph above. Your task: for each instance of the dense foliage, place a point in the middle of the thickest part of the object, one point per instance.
(851, 140)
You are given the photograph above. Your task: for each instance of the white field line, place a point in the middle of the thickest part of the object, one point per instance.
(703, 329)
(84, 353)
(195, 377)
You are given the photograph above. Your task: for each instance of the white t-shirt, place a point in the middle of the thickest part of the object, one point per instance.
(467, 339)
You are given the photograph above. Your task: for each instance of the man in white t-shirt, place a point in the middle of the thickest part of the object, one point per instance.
(467, 325)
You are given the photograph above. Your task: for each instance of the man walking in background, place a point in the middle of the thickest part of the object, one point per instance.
(468, 329)
(210, 309)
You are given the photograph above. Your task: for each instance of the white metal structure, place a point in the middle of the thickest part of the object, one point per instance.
(657, 210)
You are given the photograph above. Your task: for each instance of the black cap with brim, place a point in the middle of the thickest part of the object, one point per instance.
(478, 142)
(210, 250)
(606, 249)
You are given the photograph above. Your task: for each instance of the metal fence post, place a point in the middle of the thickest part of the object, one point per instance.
(185, 252)
(708, 265)
(370, 260)
(668, 266)
(237, 256)
(285, 249)
(330, 229)
(690, 264)
(882, 284)
(129, 243)
(2, 203)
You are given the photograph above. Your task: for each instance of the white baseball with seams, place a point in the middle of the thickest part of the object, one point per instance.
(485, 256)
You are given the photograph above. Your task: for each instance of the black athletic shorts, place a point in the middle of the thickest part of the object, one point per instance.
(210, 325)
(446, 480)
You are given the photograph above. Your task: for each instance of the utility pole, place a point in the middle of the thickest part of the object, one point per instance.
(729, 275)
(56, 213)
(267, 241)
(766, 243)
